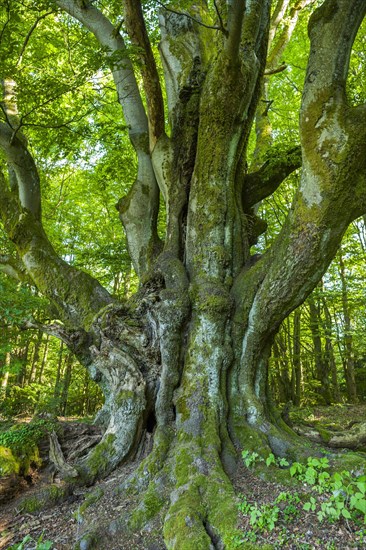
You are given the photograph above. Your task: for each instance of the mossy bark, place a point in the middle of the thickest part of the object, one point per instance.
(186, 358)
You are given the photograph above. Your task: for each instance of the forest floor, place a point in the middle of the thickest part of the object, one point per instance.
(70, 521)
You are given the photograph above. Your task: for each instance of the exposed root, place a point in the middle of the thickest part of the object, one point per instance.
(186, 484)
(354, 438)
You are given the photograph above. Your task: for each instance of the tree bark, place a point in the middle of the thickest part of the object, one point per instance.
(330, 351)
(348, 361)
(322, 367)
(187, 357)
(297, 358)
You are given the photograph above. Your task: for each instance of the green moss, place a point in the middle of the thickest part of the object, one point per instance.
(8, 463)
(31, 458)
(91, 498)
(19, 461)
(252, 440)
(149, 507)
(222, 510)
(183, 527)
(162, 439)
(50, 496)
(350, 461)
(31, 505)
(123, 396)
(325, 434)
(99, 459)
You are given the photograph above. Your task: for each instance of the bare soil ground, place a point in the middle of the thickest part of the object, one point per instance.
(67, 523)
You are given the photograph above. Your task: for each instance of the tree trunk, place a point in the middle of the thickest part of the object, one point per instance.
(297, 359)
(37, 346)
(66, 383)
(187, 357)
(44, 360)
(330, 351)
(5, 375)
(322, 367)
(349, 361)
(59, 371)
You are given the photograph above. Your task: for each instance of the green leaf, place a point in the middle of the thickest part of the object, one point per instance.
(345, 513)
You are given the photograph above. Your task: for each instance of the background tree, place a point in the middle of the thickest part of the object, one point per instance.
(188, 353)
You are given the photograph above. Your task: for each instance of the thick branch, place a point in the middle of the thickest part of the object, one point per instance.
(78, 341)
(136, 29)
(277, 15)
(139, 210)
(122, 70)
(25, 170)
(277, 48)
(235, 22)
(12, 267)
(332, 30)
(262, 183)
(255, 26)
(75, 294)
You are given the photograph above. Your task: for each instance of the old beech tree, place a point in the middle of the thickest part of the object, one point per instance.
(188, 353)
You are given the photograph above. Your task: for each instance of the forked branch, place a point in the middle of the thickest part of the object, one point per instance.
(260, 184)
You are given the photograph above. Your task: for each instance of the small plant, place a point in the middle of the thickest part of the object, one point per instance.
(28, 542)
(291, 510)
(310, 505)
(24, 435)
(343, 497)
(238, 541)
(261, 518)
(346, 494)
(250, 458)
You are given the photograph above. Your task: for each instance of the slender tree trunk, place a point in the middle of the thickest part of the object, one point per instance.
(330, 351)
(349, 363)
(321, 364)
(22, 357)
(66, 383)
(44, 359)
(280, 375)
(297, 357)
(59, 371)
(5, 377)
(37, 347)
(84, 409)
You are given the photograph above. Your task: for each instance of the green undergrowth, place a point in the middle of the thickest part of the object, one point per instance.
(19, 445)
(331, 496)
(29, 542)
(18, 437)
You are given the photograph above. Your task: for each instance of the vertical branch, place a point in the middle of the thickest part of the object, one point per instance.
(136, 29)
(236, 10)
(139, 209)
(23, 173)
(279, 38)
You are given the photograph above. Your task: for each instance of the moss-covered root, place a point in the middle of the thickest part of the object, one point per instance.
(203, 515)
(152, 465)
(45, 498)
(203, 511)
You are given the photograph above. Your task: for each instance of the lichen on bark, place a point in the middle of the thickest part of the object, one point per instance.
(185, 360)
